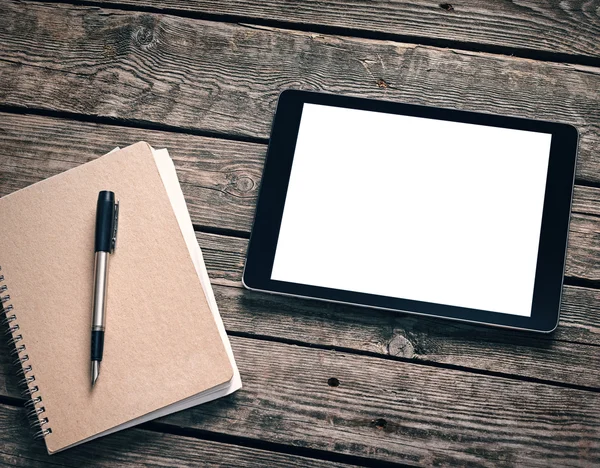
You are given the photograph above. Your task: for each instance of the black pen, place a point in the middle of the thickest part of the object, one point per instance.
(107, 214)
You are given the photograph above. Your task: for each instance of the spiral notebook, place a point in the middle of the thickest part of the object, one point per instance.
(165, 348)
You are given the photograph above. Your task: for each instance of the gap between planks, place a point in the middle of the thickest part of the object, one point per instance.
(160, 127)
(221, 187)
(325, 29)
(68, 134)
(439, 365)
(152, 443)
(159, 68)
(400, 419)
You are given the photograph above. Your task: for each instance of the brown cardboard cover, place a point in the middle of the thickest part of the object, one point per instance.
(162, 344)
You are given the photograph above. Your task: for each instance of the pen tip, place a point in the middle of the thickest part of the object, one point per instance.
(95, 371)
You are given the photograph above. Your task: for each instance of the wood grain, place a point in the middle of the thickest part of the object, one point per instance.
(219, 178)
(584, 232)
(134, 448)
(397, 411)
(564, 27)
(401, 389)
(585, 201)
(225, 78)
(417, 338)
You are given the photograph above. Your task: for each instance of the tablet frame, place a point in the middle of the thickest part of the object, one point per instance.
(554, 230)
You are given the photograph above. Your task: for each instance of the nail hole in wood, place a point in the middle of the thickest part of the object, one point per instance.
(333, 382)
(446, 6)
(380, 423)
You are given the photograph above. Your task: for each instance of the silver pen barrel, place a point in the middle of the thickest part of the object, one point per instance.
(100, 286)
(99, 311)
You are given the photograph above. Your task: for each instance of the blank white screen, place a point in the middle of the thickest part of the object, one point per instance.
(414, 208)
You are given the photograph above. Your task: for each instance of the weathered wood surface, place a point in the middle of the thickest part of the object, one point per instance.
(397, 411)
(585, 201)
(134, 448)
(212, 172)
(563, 27)
(38, 147)
(584, 261)
(225, 78)
(398, 388)
(220, 179)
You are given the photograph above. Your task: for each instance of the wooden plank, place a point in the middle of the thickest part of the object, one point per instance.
(584, 238)
(568, 28)
(133, 448)
(225, 78)
(220, 179)
(585, 200)
(225, 257)
(398, 411)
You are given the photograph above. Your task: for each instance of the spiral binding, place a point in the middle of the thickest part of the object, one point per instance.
(30, 391)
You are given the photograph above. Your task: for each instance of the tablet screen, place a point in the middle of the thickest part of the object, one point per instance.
(414, 208)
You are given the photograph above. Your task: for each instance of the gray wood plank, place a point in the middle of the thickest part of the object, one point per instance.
(134, 448)
(398, 411)
(584, 232)
(542, 25)
(585, 201)
(225, 78)
(220, 179)
(225, 257)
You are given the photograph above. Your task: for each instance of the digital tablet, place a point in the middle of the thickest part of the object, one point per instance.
(431, 211)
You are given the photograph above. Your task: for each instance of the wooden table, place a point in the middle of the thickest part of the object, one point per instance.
(324, 385)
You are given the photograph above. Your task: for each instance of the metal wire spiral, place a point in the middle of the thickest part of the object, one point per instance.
(24, 370)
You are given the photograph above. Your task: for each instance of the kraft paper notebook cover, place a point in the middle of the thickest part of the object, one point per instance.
(165, 346)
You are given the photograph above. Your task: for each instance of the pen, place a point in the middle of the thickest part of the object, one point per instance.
(107, 214)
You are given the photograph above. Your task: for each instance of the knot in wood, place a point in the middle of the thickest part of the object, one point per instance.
(401, 347)
(244, 184)
(144, 34)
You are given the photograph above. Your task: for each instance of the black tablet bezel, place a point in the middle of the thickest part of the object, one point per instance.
(555, 220)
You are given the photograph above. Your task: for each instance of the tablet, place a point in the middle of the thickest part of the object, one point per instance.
(415, 209)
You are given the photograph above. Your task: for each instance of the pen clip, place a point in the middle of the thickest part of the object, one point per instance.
(113, 242)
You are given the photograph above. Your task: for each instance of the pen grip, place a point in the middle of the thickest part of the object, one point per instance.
(97, 344)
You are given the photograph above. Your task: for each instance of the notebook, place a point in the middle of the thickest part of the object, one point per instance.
(165, 346)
